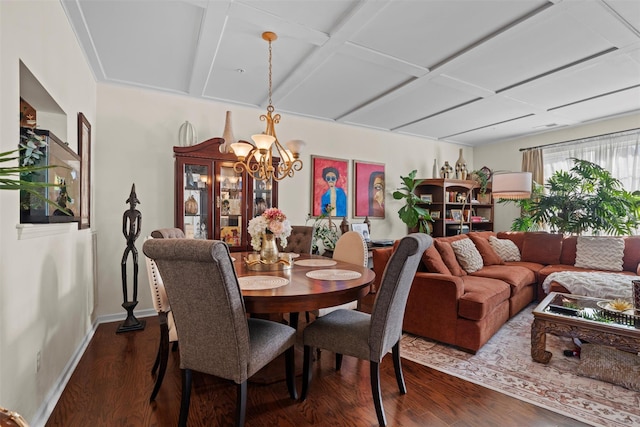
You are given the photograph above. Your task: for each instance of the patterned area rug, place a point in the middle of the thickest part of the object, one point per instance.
(504, 364)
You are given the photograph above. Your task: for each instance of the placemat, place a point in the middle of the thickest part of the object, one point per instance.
(315, 262)
(333, 274)
(258, 283)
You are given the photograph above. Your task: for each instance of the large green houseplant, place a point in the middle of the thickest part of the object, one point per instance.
(587, 198)
(411, 213)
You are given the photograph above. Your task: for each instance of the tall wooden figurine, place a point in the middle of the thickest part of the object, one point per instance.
(131, 226)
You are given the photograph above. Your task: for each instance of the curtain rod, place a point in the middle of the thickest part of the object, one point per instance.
(577, 139)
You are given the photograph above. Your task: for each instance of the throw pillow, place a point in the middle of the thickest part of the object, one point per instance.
(449, 257)
(467, 255)
(609, 364)
(433, 261)
(600, 253)
(489, 256)
(505, 248)
(542, 248)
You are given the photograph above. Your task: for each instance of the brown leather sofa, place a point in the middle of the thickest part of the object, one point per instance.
(448, 304)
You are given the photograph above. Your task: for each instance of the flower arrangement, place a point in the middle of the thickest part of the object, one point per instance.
(272, 221)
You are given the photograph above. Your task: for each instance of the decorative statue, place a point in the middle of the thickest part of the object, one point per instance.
(131, 226)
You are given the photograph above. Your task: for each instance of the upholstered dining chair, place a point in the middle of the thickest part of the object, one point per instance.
(370, 337)
(161, 304)
(301, 239)
(216, 337)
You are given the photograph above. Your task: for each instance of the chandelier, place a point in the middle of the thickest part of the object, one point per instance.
(257, 159)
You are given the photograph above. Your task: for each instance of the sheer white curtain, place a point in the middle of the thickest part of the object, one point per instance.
(619, 153)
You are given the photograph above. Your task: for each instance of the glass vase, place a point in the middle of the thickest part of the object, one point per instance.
(269, 250)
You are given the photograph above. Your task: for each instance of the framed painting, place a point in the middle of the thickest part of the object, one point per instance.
(329, 186)
(84, 150)
(369, 189)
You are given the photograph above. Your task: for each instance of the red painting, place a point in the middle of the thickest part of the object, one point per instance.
(329, 186)
(369, 189)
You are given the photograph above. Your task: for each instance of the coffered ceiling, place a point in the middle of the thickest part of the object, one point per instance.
(464, 71)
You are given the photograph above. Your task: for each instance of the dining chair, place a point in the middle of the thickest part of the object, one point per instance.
(350, 248)
(370, 336)
(161, 304)
(300, 240)
(216, 337)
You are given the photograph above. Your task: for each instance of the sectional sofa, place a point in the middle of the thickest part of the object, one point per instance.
(461, 299)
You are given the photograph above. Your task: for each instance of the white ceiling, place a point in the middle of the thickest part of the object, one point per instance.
(464, 71)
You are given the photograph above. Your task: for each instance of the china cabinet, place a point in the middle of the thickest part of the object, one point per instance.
(456, 206)
(212, 199)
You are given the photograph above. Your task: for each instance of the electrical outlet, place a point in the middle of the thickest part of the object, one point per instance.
(38, 360)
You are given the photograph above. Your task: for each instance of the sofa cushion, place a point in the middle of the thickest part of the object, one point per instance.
(516, 237)
(543, 248)
(433, 261)
(467, 255)
(514, 275)
(568, 253)
(481, 240)
(449, 257)
(631, 259)
(600, 253)
(481, 296)
(505, 249)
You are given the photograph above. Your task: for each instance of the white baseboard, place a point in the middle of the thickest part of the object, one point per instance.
(51, 400)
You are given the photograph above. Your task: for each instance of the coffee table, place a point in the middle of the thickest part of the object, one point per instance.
(577, 316)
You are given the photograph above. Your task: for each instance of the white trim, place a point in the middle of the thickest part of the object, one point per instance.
(51, 400)
(33, 231)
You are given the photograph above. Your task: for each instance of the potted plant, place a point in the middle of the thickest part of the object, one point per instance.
(21, 177)
(482, 177)
(325, 233)
(415, 216)
(585, 198)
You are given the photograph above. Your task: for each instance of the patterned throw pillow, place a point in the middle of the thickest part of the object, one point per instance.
(505, 248)
(467, 255)
(600, 253)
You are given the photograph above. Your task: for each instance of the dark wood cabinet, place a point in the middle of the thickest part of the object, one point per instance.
(212, 199)
(456, 205)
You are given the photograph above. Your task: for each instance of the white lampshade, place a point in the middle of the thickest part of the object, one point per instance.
(295, 145)
(241, 149)
(263, 141)
(511, 185)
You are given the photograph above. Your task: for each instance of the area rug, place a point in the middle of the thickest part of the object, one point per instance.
(504, 364)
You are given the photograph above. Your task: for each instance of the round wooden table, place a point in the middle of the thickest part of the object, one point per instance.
(302, 293)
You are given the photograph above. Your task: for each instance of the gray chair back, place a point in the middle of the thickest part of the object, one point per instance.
(300, 240)
(168, 233)
(207, 305)
(391, 298)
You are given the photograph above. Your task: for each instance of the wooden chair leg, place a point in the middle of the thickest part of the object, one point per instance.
(162, 357)
(290, 367)
(306, 372)
(241, 404)
(374, 372)
(174, 347)
(338, 361)
(397, 366)
(186, 397)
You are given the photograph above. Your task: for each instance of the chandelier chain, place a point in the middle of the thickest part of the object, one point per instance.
(270, 73)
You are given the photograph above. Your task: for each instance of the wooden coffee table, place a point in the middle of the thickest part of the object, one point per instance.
(576, 316)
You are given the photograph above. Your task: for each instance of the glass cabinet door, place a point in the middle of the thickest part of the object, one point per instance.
(231, 206)
(196, 196)
(262, 196)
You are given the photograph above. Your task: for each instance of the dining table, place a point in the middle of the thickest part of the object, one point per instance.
(312, 282)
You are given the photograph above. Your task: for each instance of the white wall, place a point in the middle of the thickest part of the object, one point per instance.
(140, 127)
(506, 155)
(45, 281)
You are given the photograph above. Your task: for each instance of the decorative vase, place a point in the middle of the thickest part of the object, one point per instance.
(191, 206)
(227, 135)
(269, 250)
(446, 170)
(461, 167)
(187, 134)
(434, 173)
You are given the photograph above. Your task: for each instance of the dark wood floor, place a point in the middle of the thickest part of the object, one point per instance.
(112, 384)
